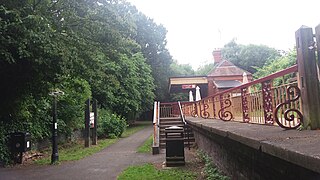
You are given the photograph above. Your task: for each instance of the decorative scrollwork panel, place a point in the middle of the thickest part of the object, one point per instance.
(224, 104)
(267, 102)
(204, 113)
(292, 118)
(245, 108)
(194, 110)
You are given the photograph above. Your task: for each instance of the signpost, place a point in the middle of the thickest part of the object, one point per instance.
(91, 120)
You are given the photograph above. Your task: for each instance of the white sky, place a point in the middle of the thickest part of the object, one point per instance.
(197, 27)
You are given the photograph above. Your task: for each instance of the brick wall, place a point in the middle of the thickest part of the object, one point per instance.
(242, 162)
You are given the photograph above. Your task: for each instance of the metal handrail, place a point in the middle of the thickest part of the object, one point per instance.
(181, 113)
(185, 123)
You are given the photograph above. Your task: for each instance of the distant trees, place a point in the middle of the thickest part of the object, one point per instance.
(277, 64)
(250, 56)
(204, 69)
(152, 39)
(181, 69)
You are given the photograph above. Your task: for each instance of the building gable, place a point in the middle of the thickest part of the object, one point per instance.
(226, 68)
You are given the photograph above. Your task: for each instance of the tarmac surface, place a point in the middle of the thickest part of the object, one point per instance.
(106, 164)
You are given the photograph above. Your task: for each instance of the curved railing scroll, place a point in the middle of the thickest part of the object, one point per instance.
(223, 113)
(289, 115)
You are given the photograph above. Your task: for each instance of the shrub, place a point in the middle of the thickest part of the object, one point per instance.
(110, 125)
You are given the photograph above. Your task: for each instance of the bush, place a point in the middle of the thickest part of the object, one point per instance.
(110, 125)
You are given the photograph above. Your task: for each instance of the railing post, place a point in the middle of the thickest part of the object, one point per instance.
(213, 107)
(87, 124)
(95, 111)
(221, 106)
(244, 103)
(308, 77)
(156, 135)
(317, 29)
(267, 102)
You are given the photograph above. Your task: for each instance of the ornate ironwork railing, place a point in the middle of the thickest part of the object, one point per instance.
(271, 100)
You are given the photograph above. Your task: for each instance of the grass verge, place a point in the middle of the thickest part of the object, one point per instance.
(76, 151)
(148, 171)
(147, 146)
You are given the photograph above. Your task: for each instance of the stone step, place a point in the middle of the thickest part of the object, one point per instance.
(171, 123)
(163, 134)
(170, 119)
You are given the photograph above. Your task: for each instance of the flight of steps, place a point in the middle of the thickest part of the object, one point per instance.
(175, 121)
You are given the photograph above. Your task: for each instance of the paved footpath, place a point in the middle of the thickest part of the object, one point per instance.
(106, 164)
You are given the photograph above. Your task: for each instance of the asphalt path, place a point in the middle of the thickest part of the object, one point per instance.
(106, 164)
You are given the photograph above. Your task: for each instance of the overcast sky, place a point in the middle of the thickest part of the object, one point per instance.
(196, 27)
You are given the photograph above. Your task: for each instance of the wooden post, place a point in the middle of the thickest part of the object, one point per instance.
(94, 132)
(308, 78)
(317, 29)
(87, 124)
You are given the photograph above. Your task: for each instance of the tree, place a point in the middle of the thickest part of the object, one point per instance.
(152, 39)
(84, 48)
(250, 56)
(181, 69)
(204, 70)
(275, 65)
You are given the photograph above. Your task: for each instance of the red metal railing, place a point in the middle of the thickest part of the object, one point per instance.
(169, 110)
(272, 100)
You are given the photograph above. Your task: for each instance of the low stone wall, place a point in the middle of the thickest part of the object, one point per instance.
(240, 161)
(45, 143)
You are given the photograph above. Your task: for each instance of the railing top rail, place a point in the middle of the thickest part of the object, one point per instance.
(289, 70)
(169, 103)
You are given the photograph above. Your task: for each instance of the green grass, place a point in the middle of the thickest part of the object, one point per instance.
(148, 171)
(76, 151)
(147, 146)
(135, 128)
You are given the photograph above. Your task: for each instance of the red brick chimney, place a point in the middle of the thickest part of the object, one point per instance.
(217, 55)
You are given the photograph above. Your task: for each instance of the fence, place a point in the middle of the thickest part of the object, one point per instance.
(278, 99)
(271, 99)
(169, 110)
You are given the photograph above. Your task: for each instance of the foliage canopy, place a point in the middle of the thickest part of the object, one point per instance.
(105, 50)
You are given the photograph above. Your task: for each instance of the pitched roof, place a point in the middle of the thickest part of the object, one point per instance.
(227, 83)
(226, 68)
